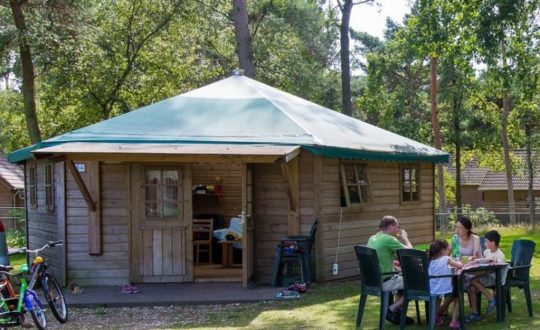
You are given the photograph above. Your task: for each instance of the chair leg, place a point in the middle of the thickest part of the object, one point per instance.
(479, 302)
(403, 313)
(509, 300)
(417, 312)
(527, 291)
(432, 312)
(385, 302)
(360, 312)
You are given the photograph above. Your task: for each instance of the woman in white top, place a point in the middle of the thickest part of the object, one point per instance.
(439, 265)
(469, 243)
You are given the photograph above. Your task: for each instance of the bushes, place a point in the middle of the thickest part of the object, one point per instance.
(479, 216)
(16, 238)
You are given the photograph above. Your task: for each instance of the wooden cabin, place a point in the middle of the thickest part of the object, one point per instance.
(11, 193)
(124, 193)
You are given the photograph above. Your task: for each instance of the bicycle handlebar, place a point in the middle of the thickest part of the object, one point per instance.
(48, 245)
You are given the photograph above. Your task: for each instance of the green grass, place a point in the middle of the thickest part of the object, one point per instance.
(334, 305)
(17, 259)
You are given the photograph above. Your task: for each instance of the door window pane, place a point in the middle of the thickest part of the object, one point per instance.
(161, 193)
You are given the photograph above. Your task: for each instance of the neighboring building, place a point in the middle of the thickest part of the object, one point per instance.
(122, 193)
(482, 187)
(11, 191)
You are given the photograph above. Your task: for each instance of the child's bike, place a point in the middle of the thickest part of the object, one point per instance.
(51, 288)
(13, 306)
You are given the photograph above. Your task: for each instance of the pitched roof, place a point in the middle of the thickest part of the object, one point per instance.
(10, 174)
(485, 179)
(243, 111)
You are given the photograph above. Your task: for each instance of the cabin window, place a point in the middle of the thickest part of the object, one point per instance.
(410, 183)
(355, 184)
(49, 186)
(161, 189)
(32, 189)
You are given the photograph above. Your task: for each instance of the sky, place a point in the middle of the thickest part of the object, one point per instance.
(371, 19)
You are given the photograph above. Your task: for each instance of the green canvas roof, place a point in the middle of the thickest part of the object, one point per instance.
(240, 110)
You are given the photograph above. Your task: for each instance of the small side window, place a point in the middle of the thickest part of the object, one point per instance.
(355, 184)
(49, 186)
(410, 183)
(32, 189)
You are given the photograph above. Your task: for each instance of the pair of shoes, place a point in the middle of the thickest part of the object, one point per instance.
(128, 289)
(300, 287)
(454, 325)
(395, 317)
(439, 321)
(491, 305)
(473, 317)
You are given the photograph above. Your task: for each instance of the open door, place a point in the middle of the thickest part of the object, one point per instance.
(160, 225)
(248, 249)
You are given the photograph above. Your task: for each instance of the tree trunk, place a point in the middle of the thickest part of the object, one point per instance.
(243, 39)
(457, 144)
(27, 68)
(346, 10)
(437, 142)
(530, 170)
(507, 161)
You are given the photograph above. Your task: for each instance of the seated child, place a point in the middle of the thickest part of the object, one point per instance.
(438, 265)
(480, 282)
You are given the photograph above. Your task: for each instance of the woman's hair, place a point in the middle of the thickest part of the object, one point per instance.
(435, 249)
(466, 223)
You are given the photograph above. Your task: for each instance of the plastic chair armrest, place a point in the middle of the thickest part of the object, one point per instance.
(519, 267)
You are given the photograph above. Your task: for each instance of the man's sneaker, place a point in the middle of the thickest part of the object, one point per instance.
(395, 317)
(491, 305)
(473, 317)
(392, 317)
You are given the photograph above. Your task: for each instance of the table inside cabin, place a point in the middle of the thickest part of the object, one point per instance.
(227, 248)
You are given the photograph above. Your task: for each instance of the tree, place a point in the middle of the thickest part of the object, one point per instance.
(500, 26)
(346, 8)
(243, 39)
(28, 75)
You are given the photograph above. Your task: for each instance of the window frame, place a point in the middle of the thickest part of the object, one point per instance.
(32, 186)
(345, 184)
(48, 184)
(162, 218)
(418, 185)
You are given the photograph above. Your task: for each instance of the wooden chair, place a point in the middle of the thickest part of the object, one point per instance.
(202, 238)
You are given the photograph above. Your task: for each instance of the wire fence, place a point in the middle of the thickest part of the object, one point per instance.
(499, 212)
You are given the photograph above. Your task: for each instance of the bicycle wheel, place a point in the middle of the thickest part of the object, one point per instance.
(55, 297)
(37, 313)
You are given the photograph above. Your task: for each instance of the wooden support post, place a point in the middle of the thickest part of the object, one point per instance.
(94, 216)
(94, 210)
(291, 179)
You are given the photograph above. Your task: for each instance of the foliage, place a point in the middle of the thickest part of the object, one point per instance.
(16, 238)
(478, 216)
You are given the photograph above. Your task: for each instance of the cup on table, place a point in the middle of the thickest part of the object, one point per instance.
(464, 260)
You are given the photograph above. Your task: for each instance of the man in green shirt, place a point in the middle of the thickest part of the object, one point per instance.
(386, 242)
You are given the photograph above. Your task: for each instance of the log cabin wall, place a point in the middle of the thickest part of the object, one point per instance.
(271, 210)
(229, 204)
(360, 222)
(111, 267)
(45, 224)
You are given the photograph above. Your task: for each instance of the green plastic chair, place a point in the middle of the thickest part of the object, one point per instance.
(414, 268)
(371, 283)
(518, 273)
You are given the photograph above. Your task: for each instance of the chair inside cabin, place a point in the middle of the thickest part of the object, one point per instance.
(202, 238)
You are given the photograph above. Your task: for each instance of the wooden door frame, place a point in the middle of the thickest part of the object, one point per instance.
(135, 250)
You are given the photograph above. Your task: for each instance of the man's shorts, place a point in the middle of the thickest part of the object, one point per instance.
(393, 283)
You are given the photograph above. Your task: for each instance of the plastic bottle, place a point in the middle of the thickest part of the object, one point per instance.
(455, 246)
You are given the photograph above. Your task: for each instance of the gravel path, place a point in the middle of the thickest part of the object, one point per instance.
(137, 317)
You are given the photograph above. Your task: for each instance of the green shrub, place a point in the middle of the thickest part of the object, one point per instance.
(16, 238)
(478, 216)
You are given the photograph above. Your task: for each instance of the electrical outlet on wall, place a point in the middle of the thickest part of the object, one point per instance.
(335, 269)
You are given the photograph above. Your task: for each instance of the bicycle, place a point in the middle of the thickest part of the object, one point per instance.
(13, 306)
(51, 288)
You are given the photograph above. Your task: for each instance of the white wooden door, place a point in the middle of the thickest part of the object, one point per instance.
(161, 217)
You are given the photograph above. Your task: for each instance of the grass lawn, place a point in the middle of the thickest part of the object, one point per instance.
(334, 305)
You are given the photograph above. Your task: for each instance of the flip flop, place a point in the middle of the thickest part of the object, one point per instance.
(134, 289)
(126, 288)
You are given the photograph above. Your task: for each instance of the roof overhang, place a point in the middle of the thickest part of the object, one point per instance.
(154, 152)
